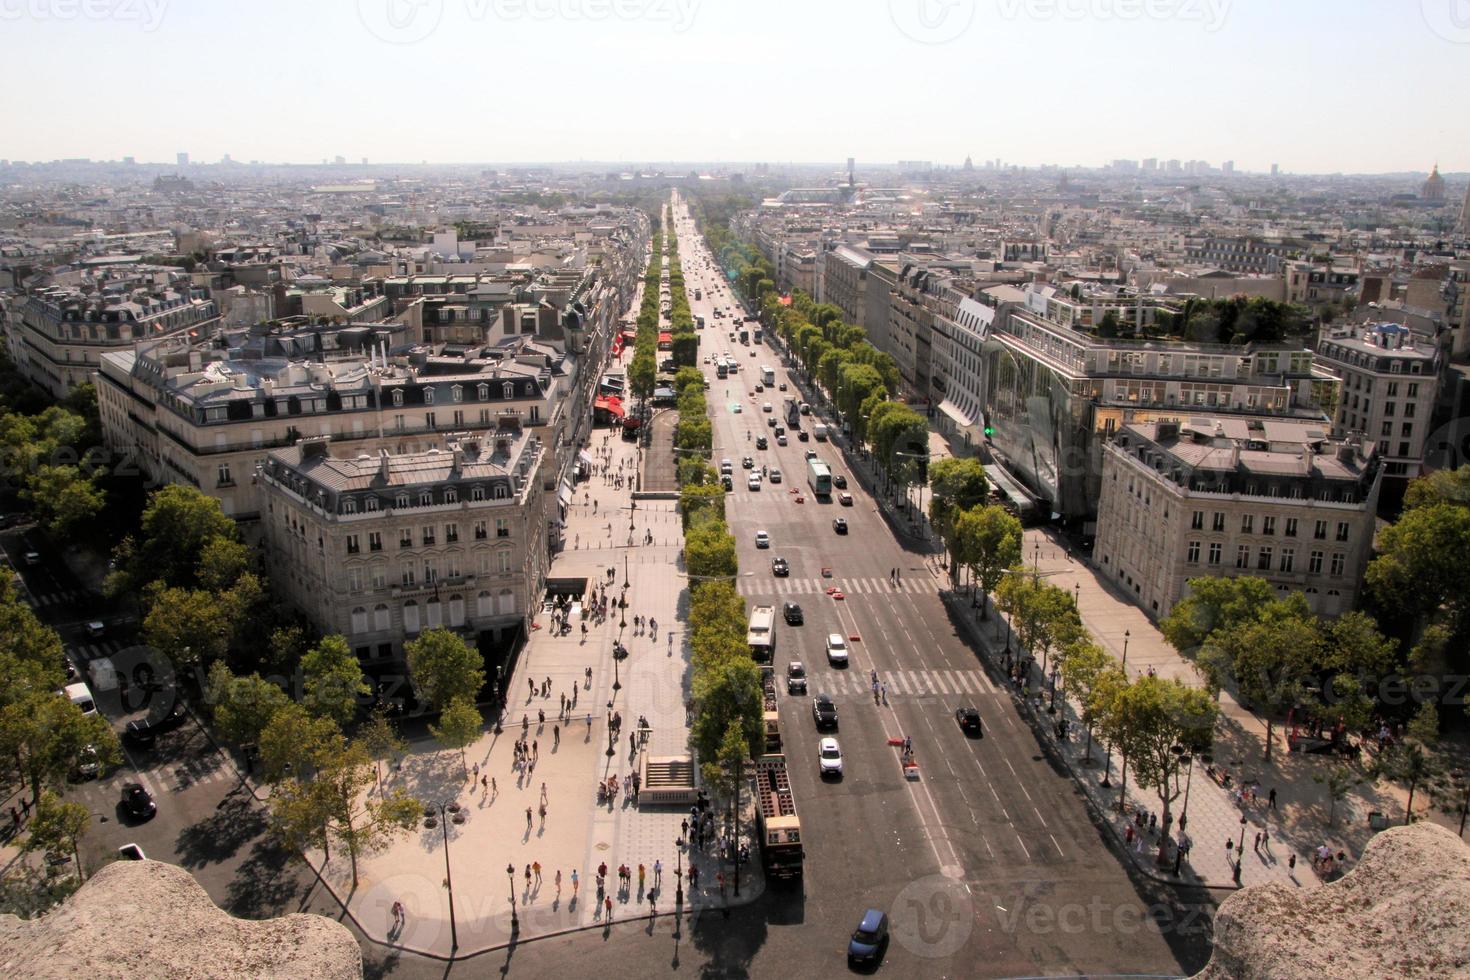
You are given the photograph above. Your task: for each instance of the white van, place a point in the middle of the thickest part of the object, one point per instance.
(103, 674)
(79, 695)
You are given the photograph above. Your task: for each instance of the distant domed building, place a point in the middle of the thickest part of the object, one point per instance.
(1433, 189)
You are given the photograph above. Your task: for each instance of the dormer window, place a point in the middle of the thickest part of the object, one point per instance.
(458, 392)
(428, 396)
(426, 499)
(349, 506)
(402, 501)
(397, 396)
(477, 493)
(508, 390)
(372, 503)
(483, 392)
(501, 492)
(451, 496)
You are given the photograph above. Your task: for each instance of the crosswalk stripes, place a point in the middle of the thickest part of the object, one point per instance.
(922, 683)
(850, 586)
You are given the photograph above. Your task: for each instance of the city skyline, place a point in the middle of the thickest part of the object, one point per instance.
(1074, 83)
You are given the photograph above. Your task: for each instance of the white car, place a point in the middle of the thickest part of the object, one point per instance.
(829, 757)
(754, 482)
(762, 539)
(768, 407)
(836, 649)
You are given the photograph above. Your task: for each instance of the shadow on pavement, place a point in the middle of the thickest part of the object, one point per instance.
(267, 883)
(236, 820)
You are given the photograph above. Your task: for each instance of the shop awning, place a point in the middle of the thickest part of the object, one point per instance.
(955, 414)
(585, 458)
(565, 496)
(612, 406)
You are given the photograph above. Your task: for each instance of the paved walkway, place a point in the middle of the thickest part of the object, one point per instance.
(577, 833)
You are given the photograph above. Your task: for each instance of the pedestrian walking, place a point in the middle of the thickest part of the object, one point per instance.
(1291, 862)
(531, 684)
(543, 792)
(535, 750)
(536, 867)
(607, 905)
(543, 813)
(563, 702)
(642, 873)
(652, 909)
(1271, 798)
(541, 717)
(658, 872)
(528, 877)
(555, 735)
(477, 773)
(1257, 846)
(528, 818)
(558, 882)
(576, 883)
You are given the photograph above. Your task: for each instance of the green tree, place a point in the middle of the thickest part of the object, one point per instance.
(190, 625)
(955, 486)
(442, 667)
(45, 737)
(333, 680)
(243, 706)
(1158, 715)
(709, 551)
(1440, 487)
(64, 498)
(222, 562)
(293, 742)
(727, 692)
(990, 542)
(380, 740)
(1421, 564)
(1272, 658)
(459, 726)
(1089, 671)
(58, 828)
(176, 525)
(1211, 605)
(1339, 781)
(1410, 763)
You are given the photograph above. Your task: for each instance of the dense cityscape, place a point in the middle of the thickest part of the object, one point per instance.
(876, 548)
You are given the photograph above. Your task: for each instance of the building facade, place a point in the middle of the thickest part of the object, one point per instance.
(1389, 386)
(1220, 496)
(379, 547)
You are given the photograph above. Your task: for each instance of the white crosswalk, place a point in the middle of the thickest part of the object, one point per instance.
(175, 778)
(57, 598)
(770, 585)
(902, 684)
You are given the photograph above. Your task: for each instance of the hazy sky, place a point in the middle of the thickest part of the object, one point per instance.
(1316, 85)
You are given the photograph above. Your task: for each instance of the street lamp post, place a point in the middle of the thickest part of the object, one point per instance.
(1051, 708)
(510, 874)
(1126, 634)
(611, 751)
(1187, 760)
(1240, 849)
(446, 808)
(678, 871)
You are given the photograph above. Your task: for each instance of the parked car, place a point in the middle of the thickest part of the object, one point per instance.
(810, 454)
(801, 435)
(747, 463)
(791, 611)
(869, 939)
(781, 440)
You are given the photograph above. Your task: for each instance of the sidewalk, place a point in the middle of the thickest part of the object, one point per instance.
(497, 829)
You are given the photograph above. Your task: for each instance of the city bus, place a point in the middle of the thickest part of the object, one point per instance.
(722, 370)
(761, 635)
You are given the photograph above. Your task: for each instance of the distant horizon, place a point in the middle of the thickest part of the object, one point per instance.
(1348, 88)
(626, 166)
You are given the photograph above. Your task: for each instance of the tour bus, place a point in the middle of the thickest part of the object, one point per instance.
(761, 634)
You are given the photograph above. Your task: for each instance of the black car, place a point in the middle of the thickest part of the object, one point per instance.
(727, 483)
(143, 731)
(839, 481)
(824, 711)
(869, 939)
(801, 434)
(839, 524)
(137, 802)
(779, 567)
(761, 442)
(969, 720)
(792, 612)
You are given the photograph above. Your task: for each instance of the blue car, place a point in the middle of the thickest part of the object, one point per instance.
(868, 941)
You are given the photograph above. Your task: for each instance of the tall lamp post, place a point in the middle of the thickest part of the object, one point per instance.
(510, 874)
(1240, 850)
(446, 808)
(610, 750)
(678, 871)
(1187, 760)
(1124, 776)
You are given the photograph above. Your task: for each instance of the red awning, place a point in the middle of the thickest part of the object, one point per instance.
(665, 338)
(613, 406)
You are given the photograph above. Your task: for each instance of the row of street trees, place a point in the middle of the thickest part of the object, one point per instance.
(326, 784)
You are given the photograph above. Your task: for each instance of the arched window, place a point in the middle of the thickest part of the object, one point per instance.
(483, 391)
(458, 392)
(485, 606)
(359, 620)
(436, 613)
(456, 610)
(380, 616)
(372, 503)
(349, 506)
(428, 396)
(508, 390)
(507, 602)
(410, 616)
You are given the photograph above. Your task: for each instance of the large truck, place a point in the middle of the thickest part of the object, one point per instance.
(793, 413)
(819, 477)
(775, 814)
(768, 376)
(819, 431)
(698, 293)
(760, 636)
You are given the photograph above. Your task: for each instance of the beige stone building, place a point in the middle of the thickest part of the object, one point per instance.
(1388, 389)
(1230, 495)
(379, 547)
